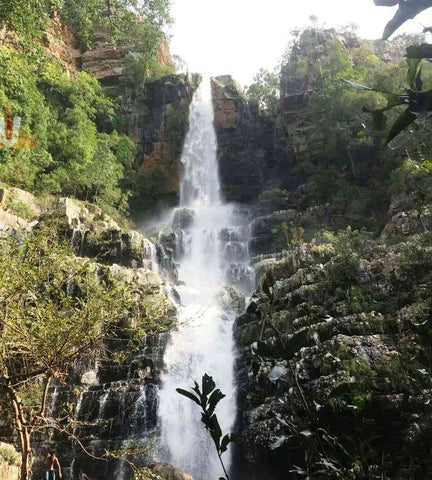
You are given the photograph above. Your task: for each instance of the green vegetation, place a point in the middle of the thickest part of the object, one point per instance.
(79, 151)
(9, 455)
(264, 91)
(57, 309)
(207, 398)
(28, 17)
(124, 22)
(19, 208)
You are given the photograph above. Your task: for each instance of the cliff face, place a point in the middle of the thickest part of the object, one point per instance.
(156, 117)
(332, 351)
(114, 396)
(245, 142)
(106, 61)
(333, 367)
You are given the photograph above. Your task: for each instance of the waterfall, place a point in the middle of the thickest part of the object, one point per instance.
(203, 340)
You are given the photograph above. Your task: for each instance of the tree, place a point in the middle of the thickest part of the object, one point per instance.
(265, 91)
(55, 309)
(418, 101)
(28, 17)
(121, 20)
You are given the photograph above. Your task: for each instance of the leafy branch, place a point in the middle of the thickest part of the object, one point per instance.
(207, 398)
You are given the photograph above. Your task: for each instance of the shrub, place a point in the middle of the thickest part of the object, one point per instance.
(9, 455)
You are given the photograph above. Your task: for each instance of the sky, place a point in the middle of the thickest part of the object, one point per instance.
(238, 37)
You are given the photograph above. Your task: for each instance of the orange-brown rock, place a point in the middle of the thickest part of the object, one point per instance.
(226, 114)
(156, 118)
(60, 42)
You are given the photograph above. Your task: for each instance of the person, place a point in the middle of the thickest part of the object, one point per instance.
(52, 463)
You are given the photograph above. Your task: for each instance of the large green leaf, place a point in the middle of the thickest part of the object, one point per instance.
(213, 426)
(413, 73)
(357, 85)
(226, 440)
(379, 119)
(214, 399)
(402, 122)
(407, 9)
(418, 82)
(187, 394)
(386, 3)
(377, 88)
(419, 51)
(208, 384)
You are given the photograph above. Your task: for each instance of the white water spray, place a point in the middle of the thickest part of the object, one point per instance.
(203, 342)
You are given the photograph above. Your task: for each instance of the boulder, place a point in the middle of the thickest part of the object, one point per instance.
(232, 300)
(147, 278)
(8, 220)
(28, 202)
(183, 218)
(168, 472)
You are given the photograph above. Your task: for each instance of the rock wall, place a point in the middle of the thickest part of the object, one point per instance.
(106, 61)
(245, 142)
(332, 369)
(156, 117)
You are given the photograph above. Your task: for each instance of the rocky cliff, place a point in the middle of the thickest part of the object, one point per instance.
(245, 142)
(153, 114)
(334, 369)
(156, 116)
(113, 397)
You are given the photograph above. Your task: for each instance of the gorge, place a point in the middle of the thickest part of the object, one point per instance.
(169, 225)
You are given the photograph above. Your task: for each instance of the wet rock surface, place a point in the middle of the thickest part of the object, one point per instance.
(245, 142)
(156, 118)
(113, 397)
(168, 472)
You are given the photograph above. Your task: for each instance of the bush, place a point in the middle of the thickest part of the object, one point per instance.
(9, 455)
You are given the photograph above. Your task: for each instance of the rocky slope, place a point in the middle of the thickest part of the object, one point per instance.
(334, 351)
(114, 397)
(335, 346)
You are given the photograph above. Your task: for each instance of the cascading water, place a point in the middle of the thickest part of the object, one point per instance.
(203, 341)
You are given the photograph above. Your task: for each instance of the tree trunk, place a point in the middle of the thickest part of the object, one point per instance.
(25, 455)
(24, 433)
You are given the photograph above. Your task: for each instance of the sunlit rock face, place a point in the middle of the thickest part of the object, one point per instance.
(106, 61)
